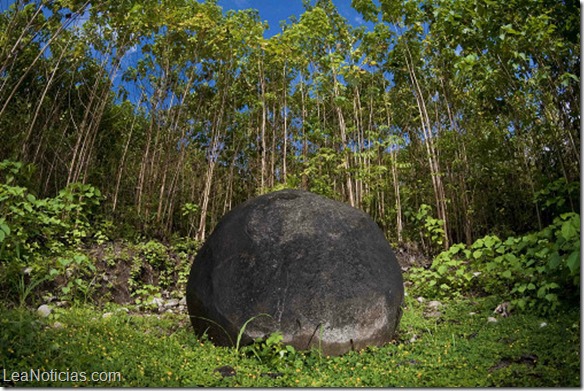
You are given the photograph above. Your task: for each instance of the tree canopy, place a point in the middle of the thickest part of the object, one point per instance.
(449, 120)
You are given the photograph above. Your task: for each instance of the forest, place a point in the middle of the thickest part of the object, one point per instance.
(129, 128)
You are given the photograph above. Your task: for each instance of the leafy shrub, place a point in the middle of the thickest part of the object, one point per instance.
(558, 196)
(34, 231)
(152, 260)
(536, 271)
(450, 275)
(75, 276)
(430, 229)
(185, 250)
(270, 350)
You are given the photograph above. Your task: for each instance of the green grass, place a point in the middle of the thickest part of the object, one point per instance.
(456, 349)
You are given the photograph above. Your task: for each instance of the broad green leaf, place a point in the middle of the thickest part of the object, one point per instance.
(510, 258)
(5, 228)
(522, 288)
(554, 261)
(551, 297)
(573, 262)
(568, 230)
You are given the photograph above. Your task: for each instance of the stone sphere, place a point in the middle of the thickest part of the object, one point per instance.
(321, 270)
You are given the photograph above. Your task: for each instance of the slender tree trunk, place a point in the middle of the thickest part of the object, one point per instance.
(285, 141)
(396, 188)
(431, 152)
(25, 144)
(122, 164)
(213, 155)
(304, 182)
(344, 147)
(263, 163)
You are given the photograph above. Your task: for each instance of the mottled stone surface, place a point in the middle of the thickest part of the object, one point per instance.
(321, 269)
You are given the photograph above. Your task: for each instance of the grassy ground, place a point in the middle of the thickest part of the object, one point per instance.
(455, 349)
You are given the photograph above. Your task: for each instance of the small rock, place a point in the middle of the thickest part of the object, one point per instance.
(62, 303)
(432, 314)
(543, 324)
(107, 315)
(490, 319)
(502, 309)
(434, 304)
(57, 325)
(420, 299)
(472, 313)
(183, 301)
(171, 303)
(27, 271)
(44, 310)
(157, 301)
(123, 309)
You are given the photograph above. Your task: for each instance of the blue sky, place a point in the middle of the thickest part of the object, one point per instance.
(274, 11)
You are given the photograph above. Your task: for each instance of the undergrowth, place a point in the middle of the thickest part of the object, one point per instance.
(460, 348)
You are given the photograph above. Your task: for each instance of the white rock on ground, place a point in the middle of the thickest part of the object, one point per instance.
(44, 310)
(157, 301)
(171, 303)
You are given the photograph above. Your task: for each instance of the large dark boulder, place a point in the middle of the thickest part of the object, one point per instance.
(321, 269)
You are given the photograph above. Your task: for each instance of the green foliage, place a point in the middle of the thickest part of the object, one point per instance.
(271, 350)
(144, 295)
(35, 232)
(153, 266)
(75, 276)
(558, 196)
(459, 350)
(431, 229)
(538, 271)
(450, 275)
(30, 224)
(242, 329)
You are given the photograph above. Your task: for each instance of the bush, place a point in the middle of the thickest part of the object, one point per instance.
(537, 271)
(34, 232)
